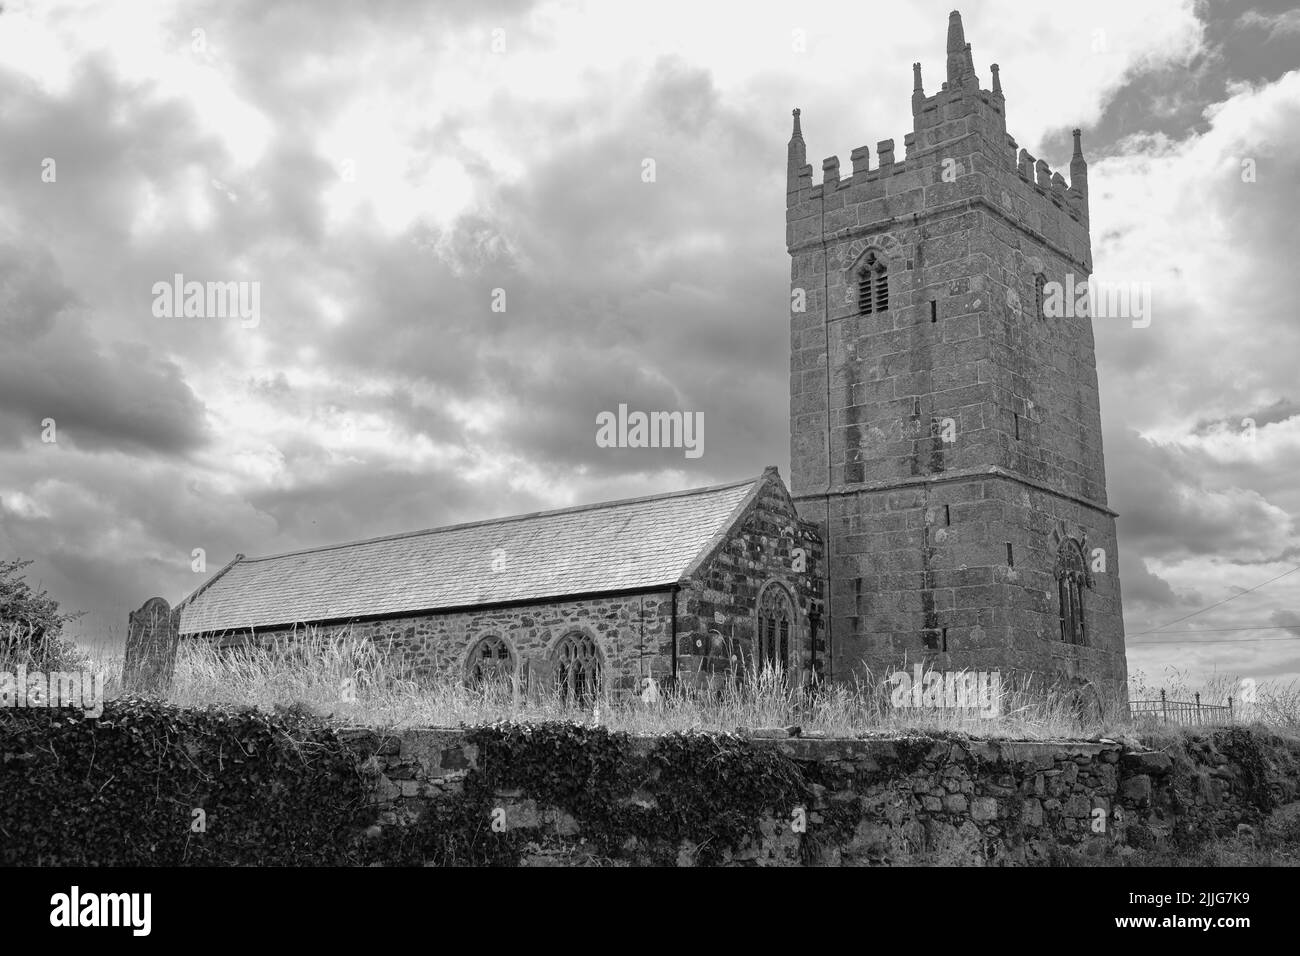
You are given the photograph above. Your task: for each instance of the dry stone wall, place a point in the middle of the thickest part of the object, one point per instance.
(871, 802)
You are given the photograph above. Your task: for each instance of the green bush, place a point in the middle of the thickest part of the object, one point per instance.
(31, 624)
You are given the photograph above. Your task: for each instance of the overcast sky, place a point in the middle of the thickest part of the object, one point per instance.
(380, 168)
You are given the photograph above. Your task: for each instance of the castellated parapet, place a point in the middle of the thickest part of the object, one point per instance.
(944, 432)
(960, 131)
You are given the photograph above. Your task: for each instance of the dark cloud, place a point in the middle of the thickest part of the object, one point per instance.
(1171, 97)
(32, 293)
(115, 397)
(1281, 410)
(1287, 620)
(109, 531)
(1165, 510)
(1143, 588)
(120, 399)
(109, 139)
(659, 295)
(664, 295)
(359, 500)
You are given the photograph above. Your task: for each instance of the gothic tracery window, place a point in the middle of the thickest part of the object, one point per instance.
(577, 669)
(775, 623)
(490, 660)
(873, 285)
(1071, 579)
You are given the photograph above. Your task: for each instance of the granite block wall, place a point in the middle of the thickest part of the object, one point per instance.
(949, 443)
(903, 801)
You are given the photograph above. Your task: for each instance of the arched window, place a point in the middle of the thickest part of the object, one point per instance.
(873, 285)
(1040, 296)
(490, 659)
(1071, 578)
(775, 624)
(577, 669)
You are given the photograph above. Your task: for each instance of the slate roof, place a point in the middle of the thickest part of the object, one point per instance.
(617, 545)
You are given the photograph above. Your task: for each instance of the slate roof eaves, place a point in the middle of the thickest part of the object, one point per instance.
(642, 543)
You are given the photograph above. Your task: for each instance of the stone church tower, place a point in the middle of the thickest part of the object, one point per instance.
(945, 429)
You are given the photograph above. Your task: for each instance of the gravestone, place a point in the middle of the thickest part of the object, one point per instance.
(151, 641)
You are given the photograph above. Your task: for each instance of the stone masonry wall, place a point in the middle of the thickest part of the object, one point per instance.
(922, 573)
(902, 801)
(633, 634)
(769, 547)
(901, 417)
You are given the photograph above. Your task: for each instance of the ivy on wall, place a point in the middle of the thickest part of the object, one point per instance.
(707, 791)
(1245, 751)
(148, 783)
(153, 784)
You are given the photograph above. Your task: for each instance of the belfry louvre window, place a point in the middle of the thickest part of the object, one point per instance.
(1040, 296)
(775, 621)
(577, 669)
(1071, 579)
(873, 285)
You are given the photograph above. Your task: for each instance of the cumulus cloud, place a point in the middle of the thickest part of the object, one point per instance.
(1278, 26)
(383, 170)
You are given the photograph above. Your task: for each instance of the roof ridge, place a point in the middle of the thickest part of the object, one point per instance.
(572, 509)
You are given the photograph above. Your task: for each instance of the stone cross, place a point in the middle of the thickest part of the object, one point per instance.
(151, 649)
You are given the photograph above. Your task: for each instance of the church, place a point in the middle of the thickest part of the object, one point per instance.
(947, 497)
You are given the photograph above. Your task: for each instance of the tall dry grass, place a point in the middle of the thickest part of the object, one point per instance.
(1275, 704)
(19, 647)
(356, 681)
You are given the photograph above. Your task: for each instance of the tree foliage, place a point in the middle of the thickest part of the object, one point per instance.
(31, 624)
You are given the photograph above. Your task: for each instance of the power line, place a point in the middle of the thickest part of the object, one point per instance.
(1226, 640)
(1206, 630)
(1217, 603)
